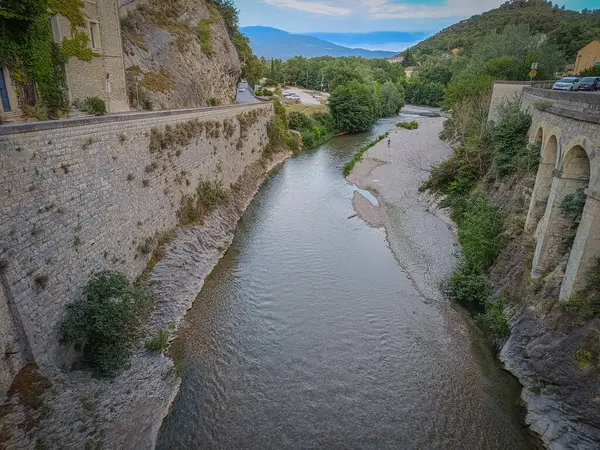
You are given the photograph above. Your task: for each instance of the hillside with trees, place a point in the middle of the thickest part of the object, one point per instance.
(568, 30)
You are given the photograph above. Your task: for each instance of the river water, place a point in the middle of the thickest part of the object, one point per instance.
(308, 334)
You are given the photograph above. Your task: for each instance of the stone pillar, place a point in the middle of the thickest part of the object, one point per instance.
(586, 247)
(539, 196)
(554, 225)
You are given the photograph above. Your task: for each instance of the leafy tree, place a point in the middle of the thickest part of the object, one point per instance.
(409, 58)
(353, 107)
(465, 86)
(392, 100)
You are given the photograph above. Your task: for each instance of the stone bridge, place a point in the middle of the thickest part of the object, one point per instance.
(567, 125)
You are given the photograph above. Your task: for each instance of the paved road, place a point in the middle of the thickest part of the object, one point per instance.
(246, 96)
(305, 98)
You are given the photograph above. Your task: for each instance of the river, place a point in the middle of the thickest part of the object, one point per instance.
(308, 334)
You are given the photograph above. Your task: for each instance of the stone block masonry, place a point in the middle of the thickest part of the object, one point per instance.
(84, 195)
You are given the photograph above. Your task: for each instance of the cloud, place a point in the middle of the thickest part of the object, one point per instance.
(311, 7)
(387, 9)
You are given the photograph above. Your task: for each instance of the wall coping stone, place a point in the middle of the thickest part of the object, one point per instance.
(28, 127)
(587, 103)
(524, 83)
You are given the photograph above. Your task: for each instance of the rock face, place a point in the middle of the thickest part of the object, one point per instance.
(168, 63)
(561, 393)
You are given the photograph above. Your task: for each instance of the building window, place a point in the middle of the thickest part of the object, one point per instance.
(95, 35)
(55, 29)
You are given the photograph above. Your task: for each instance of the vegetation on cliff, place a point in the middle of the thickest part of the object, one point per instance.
(104, 325)
(568, 30)
(484, 153)
(27, 48)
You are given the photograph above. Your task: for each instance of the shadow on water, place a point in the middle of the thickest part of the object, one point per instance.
(308, 334)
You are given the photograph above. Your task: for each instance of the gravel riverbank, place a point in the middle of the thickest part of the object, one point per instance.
(420, 236)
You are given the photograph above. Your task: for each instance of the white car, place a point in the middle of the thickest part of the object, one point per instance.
(241, 90)
(567, 84)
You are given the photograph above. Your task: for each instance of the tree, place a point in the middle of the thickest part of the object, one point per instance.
(409, 58)
(353, 107)
(392, 101)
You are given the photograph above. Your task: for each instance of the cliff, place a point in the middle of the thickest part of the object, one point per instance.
(178, 54)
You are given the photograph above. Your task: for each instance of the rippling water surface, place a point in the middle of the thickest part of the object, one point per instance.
(308, 334)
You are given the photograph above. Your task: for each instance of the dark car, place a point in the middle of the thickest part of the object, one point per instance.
(590, 84)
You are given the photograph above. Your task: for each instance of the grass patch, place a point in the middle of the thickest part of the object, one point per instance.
(161, 81)
(350, 164)
(413, 125)
(105, 323)
(308, 110)
(160, 342)
(195, 207)
(162, 240)
(205, 30)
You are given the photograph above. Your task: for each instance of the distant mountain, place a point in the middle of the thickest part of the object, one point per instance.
(274, 43)
(375, 40)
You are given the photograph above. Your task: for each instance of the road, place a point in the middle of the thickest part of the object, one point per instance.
(246, 96)
(305, 98)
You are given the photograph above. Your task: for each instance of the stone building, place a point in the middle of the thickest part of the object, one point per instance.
(588, 57)
(103, 76)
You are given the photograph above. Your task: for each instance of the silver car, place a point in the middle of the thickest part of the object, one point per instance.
(567, 84)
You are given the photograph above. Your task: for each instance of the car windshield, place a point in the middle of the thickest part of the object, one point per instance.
(567, 80)
(588, 79)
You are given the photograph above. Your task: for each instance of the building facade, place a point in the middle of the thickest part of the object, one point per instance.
(588, 57)
(103, 76)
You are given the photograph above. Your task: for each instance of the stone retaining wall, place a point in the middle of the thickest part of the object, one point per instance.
(83, 195)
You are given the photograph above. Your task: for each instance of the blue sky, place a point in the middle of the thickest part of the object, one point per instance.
(413, 19)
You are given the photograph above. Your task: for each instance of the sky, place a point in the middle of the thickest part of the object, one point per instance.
(405, 21)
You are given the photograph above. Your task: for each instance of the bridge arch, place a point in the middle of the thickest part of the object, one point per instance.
(558, 227)
(586, 245)
(549, 153)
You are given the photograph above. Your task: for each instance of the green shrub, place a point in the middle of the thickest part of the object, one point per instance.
(480, 232)
(413, 125)
(582, 356)
(469, 286)
(160, 342)
(493, 319)
(572, 205)
(584, 306)
(95, 106)
(104, 324)
(258, 92)
(315, 130)
(508, 138)
(593, 275)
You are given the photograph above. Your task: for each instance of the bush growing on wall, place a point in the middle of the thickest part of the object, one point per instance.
(104, 324)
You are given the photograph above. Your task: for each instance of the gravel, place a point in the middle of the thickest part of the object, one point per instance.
(420, 235)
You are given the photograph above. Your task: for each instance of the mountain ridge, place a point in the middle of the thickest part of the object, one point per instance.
(270, 42)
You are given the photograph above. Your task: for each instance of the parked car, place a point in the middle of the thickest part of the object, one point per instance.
(241, 90)
(590, 84)
(567, 84)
